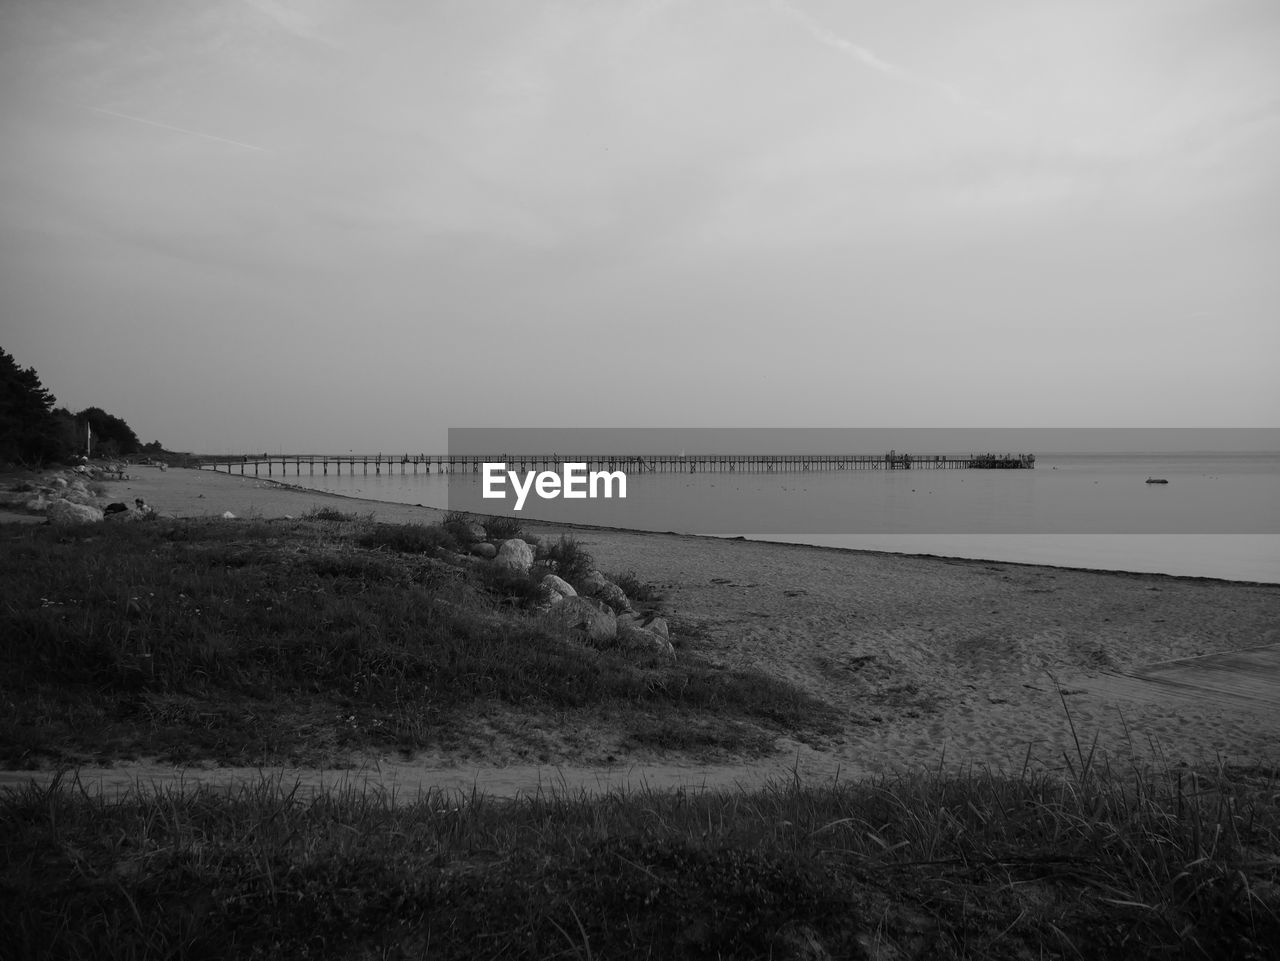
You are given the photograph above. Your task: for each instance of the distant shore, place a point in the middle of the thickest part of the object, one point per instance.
(930, 660)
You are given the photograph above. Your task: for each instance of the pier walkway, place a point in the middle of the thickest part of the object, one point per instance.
(271, 464)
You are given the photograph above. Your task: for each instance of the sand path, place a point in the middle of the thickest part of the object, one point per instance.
(928, 658)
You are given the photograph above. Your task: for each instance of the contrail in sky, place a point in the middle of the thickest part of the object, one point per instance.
(831, 39)
(869, 59)
(167, 126)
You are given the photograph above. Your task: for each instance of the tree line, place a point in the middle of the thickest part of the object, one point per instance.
(34, 432)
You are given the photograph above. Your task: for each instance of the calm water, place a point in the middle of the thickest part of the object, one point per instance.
(1219, 516)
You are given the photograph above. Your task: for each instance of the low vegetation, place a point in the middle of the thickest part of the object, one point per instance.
(1105, 864)
(326, 638)
(261, 642)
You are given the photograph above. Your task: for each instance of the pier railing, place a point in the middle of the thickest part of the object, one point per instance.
(268, 464)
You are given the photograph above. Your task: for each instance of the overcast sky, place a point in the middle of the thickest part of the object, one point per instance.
(351, 224)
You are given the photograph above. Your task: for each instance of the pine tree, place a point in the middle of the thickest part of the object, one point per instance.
(29, 431)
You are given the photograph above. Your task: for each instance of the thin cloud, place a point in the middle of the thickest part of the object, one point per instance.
(870, 59)
(167, 126)
(291, 19)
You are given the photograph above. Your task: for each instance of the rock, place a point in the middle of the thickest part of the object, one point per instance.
(593, 582)
(228, 516)
(582, 613)
(633, 637)
(59, 482)
(614, 596)
(65, 513)
(659, 626)
(115, 508)
(515, 555)
(596, 584)
(487, 551)
(559, 586)
(125, 515)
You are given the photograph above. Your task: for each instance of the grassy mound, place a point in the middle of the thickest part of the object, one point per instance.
(307, 641)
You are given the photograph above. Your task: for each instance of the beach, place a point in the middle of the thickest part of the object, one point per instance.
(930, 661)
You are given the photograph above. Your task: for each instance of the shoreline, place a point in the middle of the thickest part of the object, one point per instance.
(930, 660)
(563, 526)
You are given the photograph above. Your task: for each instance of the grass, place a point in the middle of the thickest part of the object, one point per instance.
(501, 529)
(569, 559)
(636, 589)
(1104, 863)
(330, 514)
(305, 641)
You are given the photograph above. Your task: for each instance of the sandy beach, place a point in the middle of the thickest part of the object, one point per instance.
(930, 660)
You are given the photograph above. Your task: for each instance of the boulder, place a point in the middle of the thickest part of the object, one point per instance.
(487, 551)
(614, 596)
(116, 508)
(515, 555)
(65, 513)
(634, 637)
(593, 582)
(659, 626)
(584, 614)
(476, 532)
(558, 585)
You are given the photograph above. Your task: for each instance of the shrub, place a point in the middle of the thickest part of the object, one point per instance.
(502, 528)
(634, 588)
(569, 560)
(513, 587)
(327, 514)
(409, 538)
(458, 525)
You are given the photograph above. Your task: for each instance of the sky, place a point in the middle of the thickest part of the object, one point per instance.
(325, 225)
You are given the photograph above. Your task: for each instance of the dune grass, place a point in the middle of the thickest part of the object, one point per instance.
(309, 641)
(1103, 863)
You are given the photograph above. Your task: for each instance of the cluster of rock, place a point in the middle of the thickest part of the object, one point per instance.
(604, 613)
(598, 607)
(64, 498)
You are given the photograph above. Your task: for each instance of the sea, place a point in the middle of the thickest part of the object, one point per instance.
(1217, 517)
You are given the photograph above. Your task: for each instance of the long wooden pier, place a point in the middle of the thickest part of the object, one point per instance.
(271, 464)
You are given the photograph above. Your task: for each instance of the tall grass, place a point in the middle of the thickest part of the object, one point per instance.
(1124, 864)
